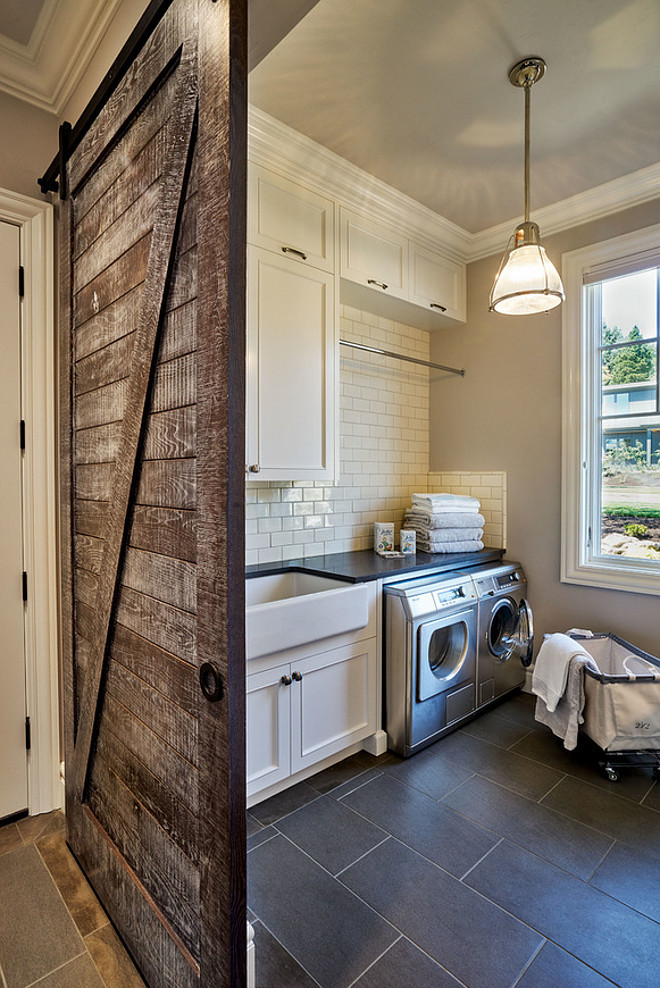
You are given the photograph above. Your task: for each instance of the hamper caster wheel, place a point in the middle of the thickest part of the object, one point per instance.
(611, 773)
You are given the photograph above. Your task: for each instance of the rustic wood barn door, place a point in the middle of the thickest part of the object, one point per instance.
(152, 302)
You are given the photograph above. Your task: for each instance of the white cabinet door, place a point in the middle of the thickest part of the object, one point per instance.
(289, 219)
(268, 728)
(333, 704)
(291, 369)
(436, 282)
(374, 255)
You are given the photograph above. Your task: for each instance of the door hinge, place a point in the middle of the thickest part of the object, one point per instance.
(22, 434)
(21, 281)
(24, 585)
(28, 734)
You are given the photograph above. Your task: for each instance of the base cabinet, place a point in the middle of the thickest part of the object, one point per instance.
(301, 712)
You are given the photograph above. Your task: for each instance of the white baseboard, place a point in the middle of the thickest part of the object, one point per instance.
(376, 744)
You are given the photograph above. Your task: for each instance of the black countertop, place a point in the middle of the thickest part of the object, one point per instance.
(365, 564)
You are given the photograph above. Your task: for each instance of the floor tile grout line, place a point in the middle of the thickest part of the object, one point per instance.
(442, 798)
(530, 961)
(365, 782)
(385, 838)
(55, 969)
(421, 949)
(462, 879)
(594, 870)
(268, 929)
(375, 961)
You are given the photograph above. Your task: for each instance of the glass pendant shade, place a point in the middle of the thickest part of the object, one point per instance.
(527, 280)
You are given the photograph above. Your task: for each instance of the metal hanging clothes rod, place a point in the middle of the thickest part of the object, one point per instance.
(401, 356)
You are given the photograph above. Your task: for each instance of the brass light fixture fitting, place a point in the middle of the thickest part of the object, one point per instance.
(527, 280)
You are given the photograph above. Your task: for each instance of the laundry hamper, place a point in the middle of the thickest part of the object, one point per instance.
(622, 703)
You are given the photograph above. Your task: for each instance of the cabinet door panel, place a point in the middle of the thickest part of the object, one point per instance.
(291, 369)
(333, 705)
(437, 282)
(286, 217)
(374, 255)
(268, 729)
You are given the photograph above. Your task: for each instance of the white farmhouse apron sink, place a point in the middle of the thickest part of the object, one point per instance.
(290, 609)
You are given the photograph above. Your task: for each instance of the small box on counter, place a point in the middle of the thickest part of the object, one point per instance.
(383, 536)
(408, 541)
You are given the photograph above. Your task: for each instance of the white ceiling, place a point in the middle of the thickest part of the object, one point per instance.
(17, 20)
(416, 92)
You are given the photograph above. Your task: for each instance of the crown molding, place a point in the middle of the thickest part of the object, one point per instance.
(594, 204)
(46, 70)
(277, 146)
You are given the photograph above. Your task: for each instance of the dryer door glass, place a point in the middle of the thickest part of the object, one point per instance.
(503, 627)
(443, 647)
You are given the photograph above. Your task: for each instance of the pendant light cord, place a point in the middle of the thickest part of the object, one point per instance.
(527, 87)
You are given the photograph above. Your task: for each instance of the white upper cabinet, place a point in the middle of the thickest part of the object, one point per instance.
(291, 369)
(436, 282)
(374, 255)
(290, 220)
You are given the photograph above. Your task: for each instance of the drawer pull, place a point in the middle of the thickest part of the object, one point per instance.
(381, 284)
(436, 305)
(292, 250)
(254, 468)
(297, 676)
(285, 680)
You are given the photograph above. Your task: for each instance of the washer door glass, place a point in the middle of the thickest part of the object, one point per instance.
(503, 626)
(442, 651)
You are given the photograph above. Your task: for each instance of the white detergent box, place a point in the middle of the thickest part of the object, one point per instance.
(384, 536)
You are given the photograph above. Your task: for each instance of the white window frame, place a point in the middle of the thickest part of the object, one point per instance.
(581, 451)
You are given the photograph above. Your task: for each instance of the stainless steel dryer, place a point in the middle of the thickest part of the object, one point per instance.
(430, 658)
(506, 630)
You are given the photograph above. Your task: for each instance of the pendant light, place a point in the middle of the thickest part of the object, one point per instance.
(527, 280)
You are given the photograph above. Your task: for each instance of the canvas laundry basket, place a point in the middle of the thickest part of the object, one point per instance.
(622, 701)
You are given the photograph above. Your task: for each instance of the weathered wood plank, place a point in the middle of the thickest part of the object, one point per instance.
(161, 760)
(175, 384)
(116, 280)
(148, 850)
(172, 581)
(167, 484)
(144, 168)
(104, 405)
(159, 623)
(165, 718)
(86, 587)
(173, 816)
(116, 320)
(179, 332)
(187, 236)
(171, 676)
(95, 481)
(100, 444)
(88, 552)
(89, 517)
(112, 363)
(167, 530)
(129, 228)
(183, 286)
(170, 435)
(84, 615)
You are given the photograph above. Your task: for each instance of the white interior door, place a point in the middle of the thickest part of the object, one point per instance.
(13, 756)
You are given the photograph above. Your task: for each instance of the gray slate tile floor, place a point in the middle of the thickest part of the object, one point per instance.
(493, 859)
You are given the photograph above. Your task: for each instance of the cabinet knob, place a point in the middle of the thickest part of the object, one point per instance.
(254, 468)
(292, 250)
(380, 284)
(436, 305)
(297, 676)
(285, 680)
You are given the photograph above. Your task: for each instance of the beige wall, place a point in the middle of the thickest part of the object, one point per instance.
(505, 414)
(28, 145)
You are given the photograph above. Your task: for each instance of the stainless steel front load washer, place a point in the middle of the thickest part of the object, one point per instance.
(430, 658)
(506, 630)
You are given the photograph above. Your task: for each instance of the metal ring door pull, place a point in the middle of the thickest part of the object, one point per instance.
(210, 681)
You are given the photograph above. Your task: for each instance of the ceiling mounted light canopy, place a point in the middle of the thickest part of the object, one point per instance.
(527, 280)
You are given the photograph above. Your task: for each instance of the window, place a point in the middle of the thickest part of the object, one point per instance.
(611, 414)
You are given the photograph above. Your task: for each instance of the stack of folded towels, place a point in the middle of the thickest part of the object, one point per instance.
(445, 522)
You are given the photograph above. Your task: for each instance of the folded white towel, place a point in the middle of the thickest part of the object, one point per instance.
(445, 502)
(444, 519)
(551, 668)
(471, 545)
(439, 536)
